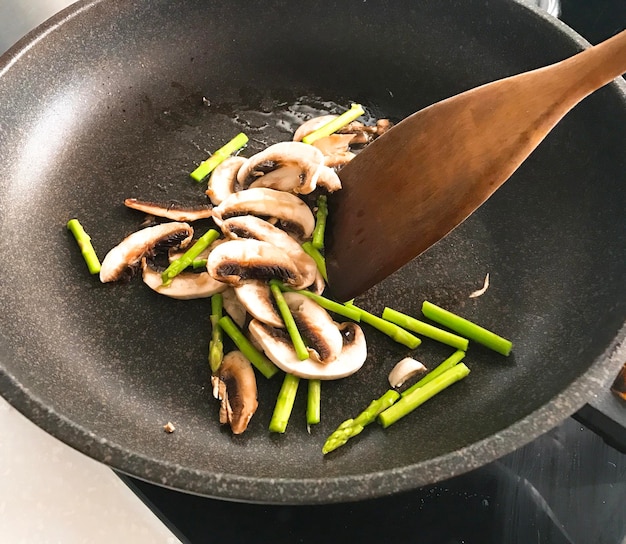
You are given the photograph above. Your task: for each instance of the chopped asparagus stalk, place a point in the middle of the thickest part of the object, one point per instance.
(352, 427)
(198, 263)
(216, 345)
(84, 243)
(390, 329)
(292, 329)
(336, 307)
(355, 111)
(467, 328)
(187, 258)
(315, 254)
(419, 327)
(206, 167)
(257, 358)
(314, 400)
(451, 361)
(320, 222)
(419, 396)
(284, 404)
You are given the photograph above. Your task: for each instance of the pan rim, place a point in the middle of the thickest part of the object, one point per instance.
(314, 490)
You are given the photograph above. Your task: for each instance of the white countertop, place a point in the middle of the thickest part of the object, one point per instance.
(49, 492)
(52, 493)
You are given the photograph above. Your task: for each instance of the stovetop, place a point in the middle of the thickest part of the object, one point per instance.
(566, 487)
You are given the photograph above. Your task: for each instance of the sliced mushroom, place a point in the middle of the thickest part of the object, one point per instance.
(171, 210)
(278, 347)
(185, 286)
(249, 226)
(404, 371)
(329, 179)
(235, 386)
(290, 211)
(223, 180)
(364, 134)
(236, 261)
(311, 126)
(256, 297)
(322, 334)
(319, 285)
(127, 255)
(233, 307)
(336, 149)
(287, 166)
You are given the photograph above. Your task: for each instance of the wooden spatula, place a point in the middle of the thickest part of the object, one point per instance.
(413, 185)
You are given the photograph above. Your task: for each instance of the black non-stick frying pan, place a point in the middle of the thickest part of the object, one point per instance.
(113, 99)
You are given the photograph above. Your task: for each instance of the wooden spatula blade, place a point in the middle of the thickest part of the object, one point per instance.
(413, 185)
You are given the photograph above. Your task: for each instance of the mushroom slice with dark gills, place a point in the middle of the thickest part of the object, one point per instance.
(256, 297)
(171, 210)
(288, 210)
(278, 347)
(235, 386)
(236, 261)
(322, 336)
(223, 180)
(249, 226)
(123, 259)
(286, 166)
(184, 286)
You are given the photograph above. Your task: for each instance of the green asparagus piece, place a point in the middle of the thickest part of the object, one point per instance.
(284, 404)
(292, 329)
(336, 307)
(355, 111)
(206, 167)
(313, 404)
(257, 358)
(198, 263)
(187, 258)
(390, 329)
(352, 427)
(419, 327)
(84, 243)
(216, 345)
(320, 222)
(467, 328)
(316, 255)
(419, 396)
(451, 361)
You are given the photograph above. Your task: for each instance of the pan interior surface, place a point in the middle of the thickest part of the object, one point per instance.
(123, 99)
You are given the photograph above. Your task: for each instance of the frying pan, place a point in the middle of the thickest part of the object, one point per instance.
(112, 99)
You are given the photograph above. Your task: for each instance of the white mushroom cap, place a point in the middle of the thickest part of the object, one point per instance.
(311, 126)
(249, 226)
(130, 251)
(289, 210)
(233, 307)
(223, 180)
(279, 349)
(236, 261)
(256, 297)
(287, 166)
(404, 371)
(325, 341)
(184, 286)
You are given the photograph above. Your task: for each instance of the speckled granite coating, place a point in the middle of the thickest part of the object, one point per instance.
(105, 101)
